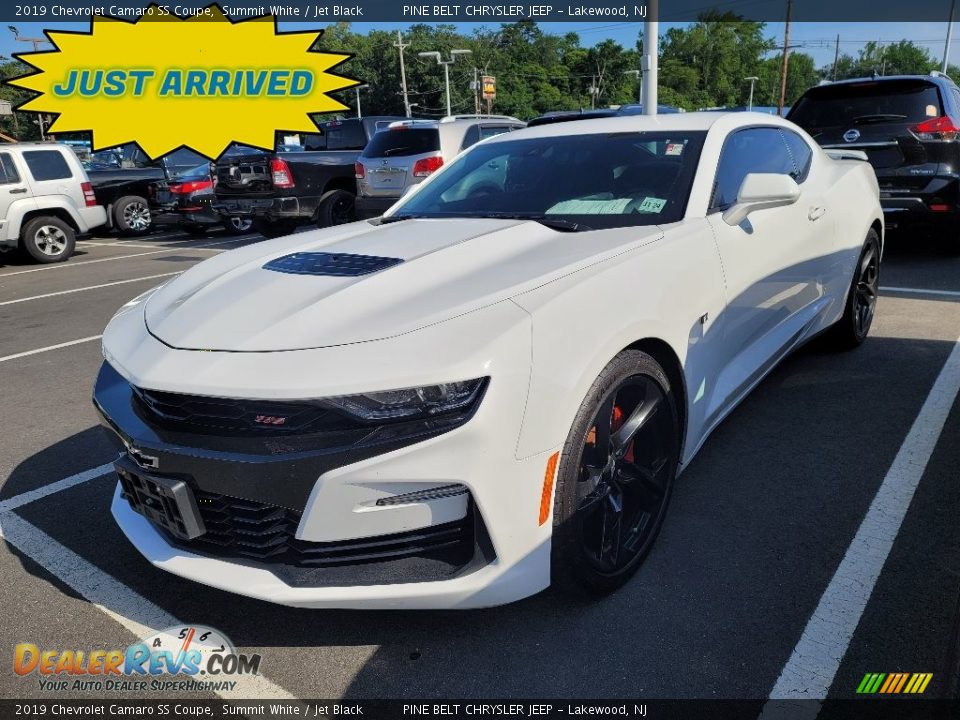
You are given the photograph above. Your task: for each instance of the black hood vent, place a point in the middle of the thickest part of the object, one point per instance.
(330, 264)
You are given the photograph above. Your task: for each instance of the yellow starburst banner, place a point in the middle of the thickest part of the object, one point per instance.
(164, 82)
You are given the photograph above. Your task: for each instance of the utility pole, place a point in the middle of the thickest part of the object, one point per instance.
(785, 61)
(648, 63)
(836, 58)
(476, 91)
(946, 47)
(400, 45)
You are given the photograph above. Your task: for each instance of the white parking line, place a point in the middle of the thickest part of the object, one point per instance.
(812, 666)
(50, 347)
(33, 495)
(920, 291)
(134, 612)
(67, 265)
(88, 287)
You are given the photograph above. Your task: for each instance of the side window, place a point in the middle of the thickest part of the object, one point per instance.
(8, 171)
(471, 137)
(800, 153)
(47, 164)
(753, 150)
(492, 130)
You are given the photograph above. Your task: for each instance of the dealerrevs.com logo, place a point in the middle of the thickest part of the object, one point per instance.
(204, 655)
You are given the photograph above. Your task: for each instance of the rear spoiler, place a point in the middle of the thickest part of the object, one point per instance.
(843, 154)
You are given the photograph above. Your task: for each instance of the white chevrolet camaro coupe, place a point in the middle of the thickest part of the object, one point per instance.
(493, 387)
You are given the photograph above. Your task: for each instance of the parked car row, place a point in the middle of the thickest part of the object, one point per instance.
(906, 127)
(326, 183)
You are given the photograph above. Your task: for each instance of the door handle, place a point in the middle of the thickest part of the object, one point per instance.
(18, 190)
(816, 213)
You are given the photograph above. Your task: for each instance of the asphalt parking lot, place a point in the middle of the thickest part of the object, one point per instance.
(762, 580)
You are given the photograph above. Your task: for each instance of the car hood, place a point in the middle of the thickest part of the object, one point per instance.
(449, 267)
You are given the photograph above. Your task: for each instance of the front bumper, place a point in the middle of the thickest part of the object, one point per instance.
(509, 556)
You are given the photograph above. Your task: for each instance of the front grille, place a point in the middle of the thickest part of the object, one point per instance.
(241, 416)
(265, 533)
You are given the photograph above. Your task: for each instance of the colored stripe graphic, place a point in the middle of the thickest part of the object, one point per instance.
(894, 683)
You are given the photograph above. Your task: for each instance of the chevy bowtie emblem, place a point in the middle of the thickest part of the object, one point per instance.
(147, 462)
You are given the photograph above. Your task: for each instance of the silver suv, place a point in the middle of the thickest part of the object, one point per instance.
(408, 151)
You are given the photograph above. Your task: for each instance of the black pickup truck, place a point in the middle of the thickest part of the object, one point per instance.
(284, 189)
(128, 194)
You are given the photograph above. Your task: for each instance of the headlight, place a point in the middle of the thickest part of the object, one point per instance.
(410, 403)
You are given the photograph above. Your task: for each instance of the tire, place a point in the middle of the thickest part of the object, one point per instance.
(238, 225)
(632, 390)
(274, 228)
(853, 327)
(196, 230)
(47, 239)
(131, 215)
(337, 207)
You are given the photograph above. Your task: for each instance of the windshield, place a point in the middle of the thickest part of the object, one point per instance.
(589, 181)
(849, 104)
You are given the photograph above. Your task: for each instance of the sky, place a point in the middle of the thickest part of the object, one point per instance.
(816, 39)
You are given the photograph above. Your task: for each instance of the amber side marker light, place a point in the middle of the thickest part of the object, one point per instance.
(547, 495)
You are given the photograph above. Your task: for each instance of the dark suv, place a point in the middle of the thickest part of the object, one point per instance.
(909, 128)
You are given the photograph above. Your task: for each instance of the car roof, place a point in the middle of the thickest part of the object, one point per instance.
(933, 78)
(692, 121)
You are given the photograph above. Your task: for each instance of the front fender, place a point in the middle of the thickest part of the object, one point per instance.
(670, 290)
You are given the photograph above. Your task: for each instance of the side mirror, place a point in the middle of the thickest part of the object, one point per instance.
(760, 191)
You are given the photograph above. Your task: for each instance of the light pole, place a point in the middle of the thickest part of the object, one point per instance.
(37, 42)
(358, 88)
(446, 68)
(648, 63)
(752, 79)
(638, 74)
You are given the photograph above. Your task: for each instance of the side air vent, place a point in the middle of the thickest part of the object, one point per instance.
(330, 264)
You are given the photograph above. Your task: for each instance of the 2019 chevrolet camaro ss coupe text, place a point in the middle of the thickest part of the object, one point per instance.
(494, 386)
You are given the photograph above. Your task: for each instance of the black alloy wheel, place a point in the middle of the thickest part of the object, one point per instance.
(854, 326)
(615, 476)
(625, 469)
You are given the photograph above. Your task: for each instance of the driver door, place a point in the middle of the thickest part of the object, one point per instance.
(772, 261)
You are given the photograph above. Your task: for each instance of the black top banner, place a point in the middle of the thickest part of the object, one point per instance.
(484, 11)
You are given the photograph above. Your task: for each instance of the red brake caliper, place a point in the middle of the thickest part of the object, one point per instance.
(615, 423)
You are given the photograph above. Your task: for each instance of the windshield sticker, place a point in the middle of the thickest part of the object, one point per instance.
(932, 111)
(674, 149)
(652, 205)
(590, 207)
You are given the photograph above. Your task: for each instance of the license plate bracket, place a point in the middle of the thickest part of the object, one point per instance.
(167, 502)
